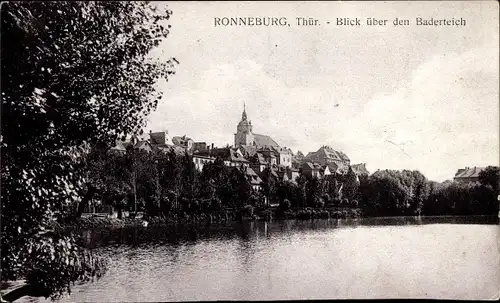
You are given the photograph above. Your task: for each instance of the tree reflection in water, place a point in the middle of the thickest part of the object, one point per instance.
(254, 230)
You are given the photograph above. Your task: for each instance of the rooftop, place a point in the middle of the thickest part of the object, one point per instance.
(263, 140)
(360, 169)
(469, 172)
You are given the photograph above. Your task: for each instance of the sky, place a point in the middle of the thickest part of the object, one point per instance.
(394, 97)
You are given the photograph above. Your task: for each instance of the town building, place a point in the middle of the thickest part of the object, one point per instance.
(338, 169)
(324, 171)
(360, 169)
(297, 159)
(468, 174)
(258, 163)
(249, 143)
(281, 173)
(293, 174)
(200, 146)
(253, 178)
(326, 155)
(135, 143)
(337, 162)
(162, 142)
(269, 155)
(232, 157)
(248, 151)
(184, 142)
(143, 145)
(245, 136)
(118, 149)
(201, 160)
(160, 138)
(312, 170)
(283, 156)
(179, 151)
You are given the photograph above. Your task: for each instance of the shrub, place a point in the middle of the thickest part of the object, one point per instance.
(285, 205)
(247, 211)
(336, 202)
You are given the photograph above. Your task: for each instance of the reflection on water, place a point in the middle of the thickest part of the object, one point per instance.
(322, 259)
(256, 229)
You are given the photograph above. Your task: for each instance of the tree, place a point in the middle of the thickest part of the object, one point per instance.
(483, 200)
(283, 207)
(74, 74)
(453, 198)
(418, 188)
(313, 191)
(394, 193)
(254, 199)
(189, 177)
(287, 190)
(139, 172)
(241, 187)
(350, 185)
(490, 177)
(326, 198)
(268, 184)
(301, 189)
(170, 168)
(383, 194)
(216, 177)
(116, 195)
(438, 202)
(206, 187)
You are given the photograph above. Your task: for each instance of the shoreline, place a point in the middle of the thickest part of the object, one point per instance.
(96, 222)
(222, 217)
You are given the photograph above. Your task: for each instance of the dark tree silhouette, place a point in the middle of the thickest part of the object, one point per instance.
(74, 74)
(350, 188)
(490, 176)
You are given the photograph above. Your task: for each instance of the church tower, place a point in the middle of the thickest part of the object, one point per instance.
(244, 135)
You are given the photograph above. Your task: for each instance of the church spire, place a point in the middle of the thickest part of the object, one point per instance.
(244, 115)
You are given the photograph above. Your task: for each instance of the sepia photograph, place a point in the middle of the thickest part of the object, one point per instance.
(171, 151)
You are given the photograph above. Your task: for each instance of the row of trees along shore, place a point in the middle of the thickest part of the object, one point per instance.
(77, 75)
(168, 184)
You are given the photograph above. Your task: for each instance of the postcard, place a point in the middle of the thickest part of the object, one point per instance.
(291, 150)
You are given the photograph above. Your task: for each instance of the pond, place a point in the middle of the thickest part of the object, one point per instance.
(441, 258)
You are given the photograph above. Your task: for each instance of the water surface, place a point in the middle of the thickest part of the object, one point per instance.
(324, 259)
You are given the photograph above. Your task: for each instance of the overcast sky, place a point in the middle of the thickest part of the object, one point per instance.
(424, 98)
